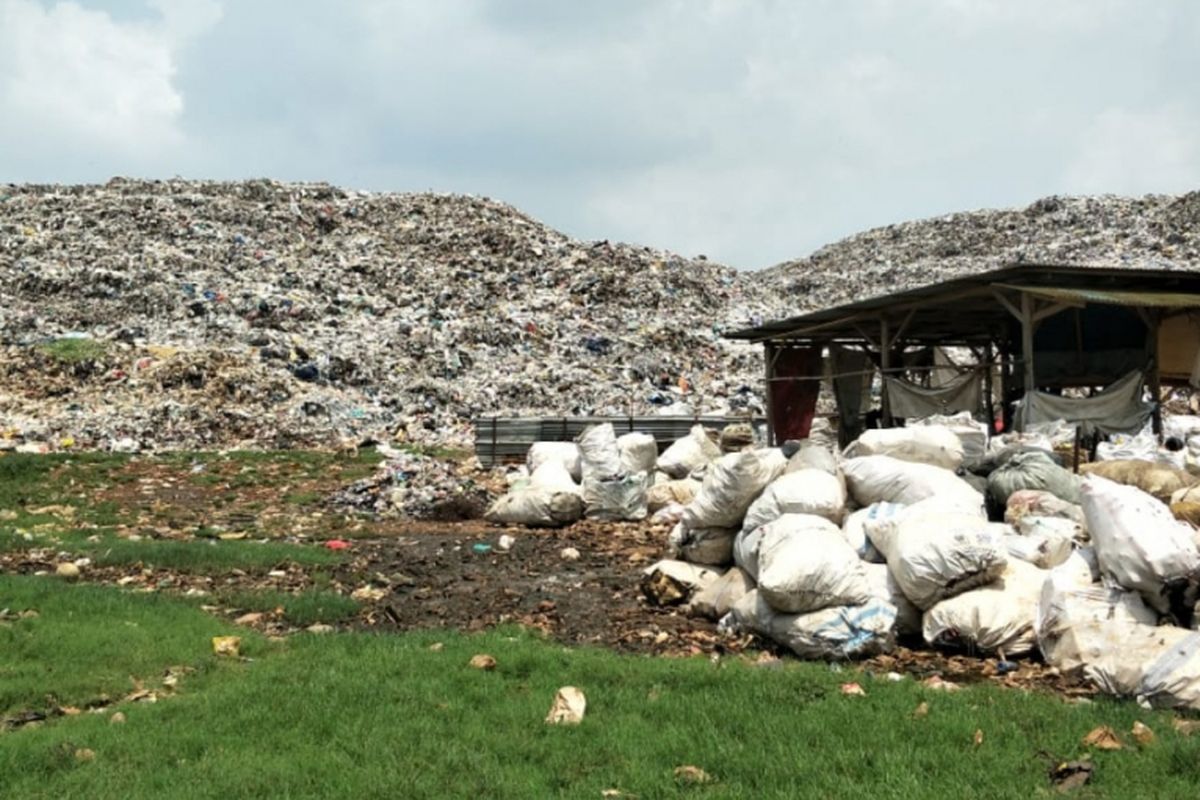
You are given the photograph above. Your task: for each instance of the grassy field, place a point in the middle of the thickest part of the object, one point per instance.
(358, 715)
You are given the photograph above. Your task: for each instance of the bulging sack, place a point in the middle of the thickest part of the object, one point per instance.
(688, 454)
(747, 544)
(553, 475)
(1078, 621)
(807, 491)
(1044, 542)
(681, 491)
(536, 507)
(1040, 503)
(731, 485)
(638, 452)
(996, 618)
(617, 498)
(802, 571)
(564, 453)
(712, 546)
(1138, 543)
(599, 456)
(810, 455)
(1153, 479)
(854, 529)
(1032, 470)
(926, 444)
(875, 479)
(717, 598)
(884, 587)
(837, 633)
(936, 554)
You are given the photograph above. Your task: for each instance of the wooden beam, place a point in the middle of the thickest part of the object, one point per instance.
(885, 360)
(1004, 301)
(1027, 347)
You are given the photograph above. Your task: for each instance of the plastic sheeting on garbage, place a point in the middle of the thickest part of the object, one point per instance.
(835, 634)
(935, 553)
(688, 453)
(808, 491)
(1138, 543)
(565, 453)
(874, 479)
(923, 444)
(731, 485)
(810, 569)
(998, 617)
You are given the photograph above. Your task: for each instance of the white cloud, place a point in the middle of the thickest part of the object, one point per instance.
(76, 82)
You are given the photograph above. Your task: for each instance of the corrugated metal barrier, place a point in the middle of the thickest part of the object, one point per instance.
(500, 440)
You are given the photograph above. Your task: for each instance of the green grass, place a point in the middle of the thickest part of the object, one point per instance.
(357, 715)
(302, 608)
(74, 351)
(90, 641)
(201, 555)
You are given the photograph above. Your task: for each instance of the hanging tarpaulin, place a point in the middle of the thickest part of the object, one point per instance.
(795, 384)
(1120, 408)
(913, 401)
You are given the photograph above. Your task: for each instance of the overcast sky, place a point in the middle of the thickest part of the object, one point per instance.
(751, 131)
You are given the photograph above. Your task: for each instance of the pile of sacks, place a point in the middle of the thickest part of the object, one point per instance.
(836, 555)
(618, 478)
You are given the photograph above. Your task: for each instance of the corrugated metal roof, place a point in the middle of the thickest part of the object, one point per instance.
(1116, 298)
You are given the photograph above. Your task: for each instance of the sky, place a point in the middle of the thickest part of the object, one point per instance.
(749, 131)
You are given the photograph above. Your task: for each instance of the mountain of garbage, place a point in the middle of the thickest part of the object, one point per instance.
(198, 314)
(1159, 232)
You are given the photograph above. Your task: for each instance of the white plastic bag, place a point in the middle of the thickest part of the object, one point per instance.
(1139, 544)
(972, 435)
(1044, 542)
(874, 479)
(731, 485)
(639, 452)
(936, 554)
(854, 529)
(564, 453)
(536, 507)
(836, 633)
(924, 444)
(681, 491)
(618, 498)
(802, 571)
(688, 453)
(717, 598)
(599, 456)
(998, 617)
(747, 544)
(806, 491)
(553, 475)
(884, 587)
(811, 455)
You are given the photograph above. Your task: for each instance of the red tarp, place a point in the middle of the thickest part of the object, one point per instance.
(794, 402)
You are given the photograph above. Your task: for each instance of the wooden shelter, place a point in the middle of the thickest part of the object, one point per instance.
(1037, 329)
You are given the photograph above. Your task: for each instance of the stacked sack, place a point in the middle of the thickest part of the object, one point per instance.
(1097, 615)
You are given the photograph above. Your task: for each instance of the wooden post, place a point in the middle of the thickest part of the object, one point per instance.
(1153, 373)
(885, 361)
(1027, 348)
(989, 406)
(769, 358)
(1006, 388)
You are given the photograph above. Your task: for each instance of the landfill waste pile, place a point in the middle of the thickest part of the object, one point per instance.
(167, 314)
(925, 535)
(1153, 232)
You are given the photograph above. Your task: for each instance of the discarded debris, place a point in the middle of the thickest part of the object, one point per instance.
(568, 708)
(1067, 776)
(852, 690)
(483, 661)
(227, 646)
(1141, 733)
(689, 774)
(1102, 738)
